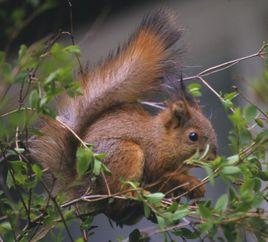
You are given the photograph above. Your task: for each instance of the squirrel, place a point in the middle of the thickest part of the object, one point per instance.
(139, 145)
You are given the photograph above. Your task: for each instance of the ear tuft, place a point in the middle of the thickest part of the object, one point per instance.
(180, 111)
(176, 115)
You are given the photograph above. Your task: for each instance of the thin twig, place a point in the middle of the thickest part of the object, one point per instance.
(213, 90)
(85, 146)
(17, 190)
(72, 35)
(177, 187)
(260, 53)
(250, 102)
(53, 199)
(106, 183)
(24, 24)
(71, 130)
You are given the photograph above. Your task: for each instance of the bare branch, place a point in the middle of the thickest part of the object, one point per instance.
(260, 53)
(59, 211)
(85, 146)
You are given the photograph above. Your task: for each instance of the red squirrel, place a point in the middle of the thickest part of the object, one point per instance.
(139, 145)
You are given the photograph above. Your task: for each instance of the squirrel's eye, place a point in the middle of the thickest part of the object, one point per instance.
(193, 136)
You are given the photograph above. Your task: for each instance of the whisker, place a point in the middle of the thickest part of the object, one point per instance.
(154, 104)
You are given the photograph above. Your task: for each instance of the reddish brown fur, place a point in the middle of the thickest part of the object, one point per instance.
(138, 145)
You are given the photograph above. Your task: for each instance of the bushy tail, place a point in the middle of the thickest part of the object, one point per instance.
(136, 70)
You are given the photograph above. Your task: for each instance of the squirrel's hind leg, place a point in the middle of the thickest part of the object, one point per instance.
(125, 159)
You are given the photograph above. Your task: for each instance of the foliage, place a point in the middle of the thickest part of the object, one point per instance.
(43, 71)
(16, 16)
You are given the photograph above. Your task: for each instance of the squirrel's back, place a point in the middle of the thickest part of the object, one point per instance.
(134, 72)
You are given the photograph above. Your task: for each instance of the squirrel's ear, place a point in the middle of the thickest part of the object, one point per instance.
(177, 115)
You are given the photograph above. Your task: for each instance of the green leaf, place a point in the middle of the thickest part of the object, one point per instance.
(161, 222)
(74, 89)
(17, 15)
(206, 227)
(250, 113)
(74, 49)
(48, 5)
(210, 174)
(147, 210)
(245, 136)
(233, 195)
(230, 96)
(204, 211)
(87, 223)
(18, 165)
(230, 232)
(227, 99)
(52, 76)
(155, 198)
(222, 203)
(248, 185)
(106, 170)
(231, 170)
(231, 160)
(5, 226)
(100, 156)
(168, 216)
(264, 175)
(237, 118)
(9, 180)
(20, 178)
(34, 98)
(194, 89)
(20, 77)
(6, 70)
(2, 57)
(97, 167)
(227, 104)
(173, 207)
(187, 233)
(262, 136)
(84, 159)
(259, 122)
(133, 184)
(37, 171)
(180, 213)
(22, 52)
(19, 150)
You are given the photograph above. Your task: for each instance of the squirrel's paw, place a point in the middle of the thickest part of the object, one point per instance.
(196, 190)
